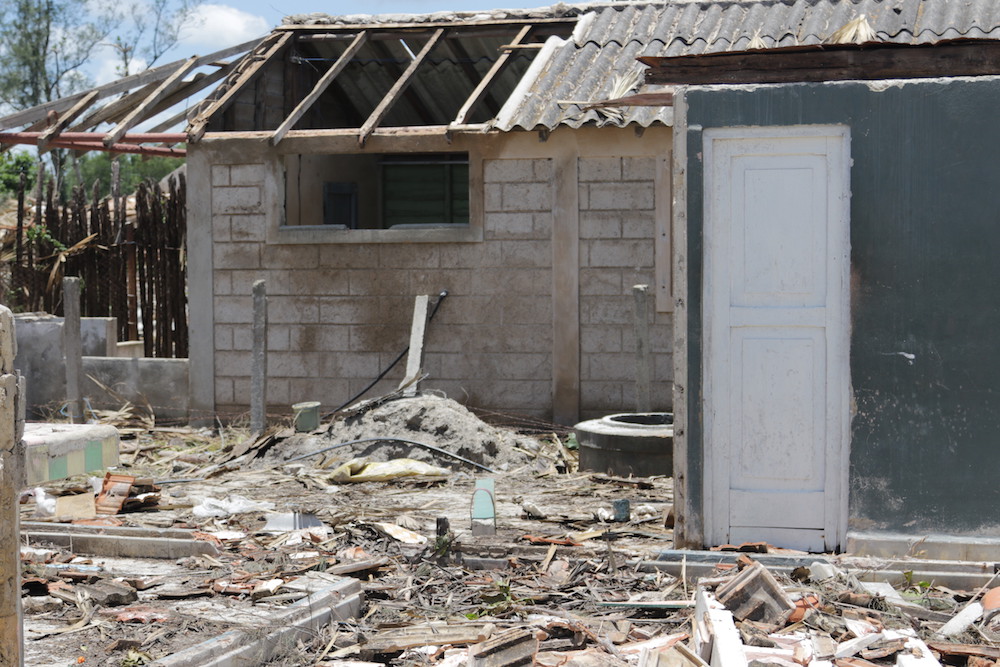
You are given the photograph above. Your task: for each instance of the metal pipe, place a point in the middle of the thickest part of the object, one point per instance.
(136, 149)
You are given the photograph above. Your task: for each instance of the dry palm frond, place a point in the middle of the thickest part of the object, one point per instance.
(622, 85)
(756, 42)
(857, 31)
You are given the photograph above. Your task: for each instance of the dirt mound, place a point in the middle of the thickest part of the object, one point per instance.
(427, 419)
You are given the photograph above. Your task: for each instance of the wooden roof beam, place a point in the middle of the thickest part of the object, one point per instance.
(829, 63)
(491, 75)
(401, 83)
(66, 118)
(161, 92)
(320, 87)
(395, 69)
(333, 29)
(37, 113)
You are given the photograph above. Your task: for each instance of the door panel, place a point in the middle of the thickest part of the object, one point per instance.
(776, 344)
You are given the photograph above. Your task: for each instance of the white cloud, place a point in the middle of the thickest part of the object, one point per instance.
(213, 27)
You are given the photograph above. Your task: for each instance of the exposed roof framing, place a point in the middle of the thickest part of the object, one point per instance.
(143, 96)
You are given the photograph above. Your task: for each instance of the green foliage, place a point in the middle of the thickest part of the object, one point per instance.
(134, 169)
(40, 233)
(11, 166)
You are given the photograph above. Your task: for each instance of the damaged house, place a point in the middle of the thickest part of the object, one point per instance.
(356, 162)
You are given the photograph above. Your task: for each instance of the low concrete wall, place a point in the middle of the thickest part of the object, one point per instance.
(161, 384)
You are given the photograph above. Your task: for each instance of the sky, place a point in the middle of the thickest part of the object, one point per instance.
(215, 26)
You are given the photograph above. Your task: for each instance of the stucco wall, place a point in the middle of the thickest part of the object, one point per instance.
(340, 310)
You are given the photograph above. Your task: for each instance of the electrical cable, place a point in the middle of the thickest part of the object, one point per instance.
(395, 361)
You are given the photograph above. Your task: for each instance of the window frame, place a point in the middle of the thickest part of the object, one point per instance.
(279, 233)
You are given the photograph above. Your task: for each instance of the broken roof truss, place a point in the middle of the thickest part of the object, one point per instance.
(360, 78)
(352, 78)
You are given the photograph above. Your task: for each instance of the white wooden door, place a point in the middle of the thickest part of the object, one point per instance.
(776, 309)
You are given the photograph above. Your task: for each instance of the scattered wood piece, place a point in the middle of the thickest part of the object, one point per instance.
(968, 650)
(108, 593)
(429, 634)
(507, 649)
(756, 595)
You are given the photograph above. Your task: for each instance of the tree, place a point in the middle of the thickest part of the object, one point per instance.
(43, 45)
(153, 28)
(95, 167)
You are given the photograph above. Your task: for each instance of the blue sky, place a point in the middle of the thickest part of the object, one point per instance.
(215, 26)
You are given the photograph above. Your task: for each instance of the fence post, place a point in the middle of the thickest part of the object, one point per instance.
(258, 373)
(72, 347)
(11, 480)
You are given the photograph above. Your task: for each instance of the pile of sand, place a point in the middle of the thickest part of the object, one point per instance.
(427, 419)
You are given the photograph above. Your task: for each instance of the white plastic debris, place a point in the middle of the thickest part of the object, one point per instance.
(45, 504)
(232, 504)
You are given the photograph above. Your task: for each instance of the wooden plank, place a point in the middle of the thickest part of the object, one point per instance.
(491, 75)
(320, 87)
(415, 355)
(275, 46)
(66, 118)
(158, 94)
(401, 83)
(829, 63)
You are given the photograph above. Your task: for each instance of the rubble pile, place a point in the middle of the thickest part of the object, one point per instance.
(322, 560)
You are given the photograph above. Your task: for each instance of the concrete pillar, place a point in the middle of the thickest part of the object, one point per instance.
(11, 480)
(258, 371)
(72, 347)
(643, 358)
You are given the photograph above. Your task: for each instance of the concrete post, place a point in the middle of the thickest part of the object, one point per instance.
(72, 347)
(258, 373)
(643, 358)
(11, 480)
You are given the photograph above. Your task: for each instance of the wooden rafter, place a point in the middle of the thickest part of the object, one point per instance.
(155, 97)
(198, 126)
(491, 75)
(401, 83)
(393, 68)
(66, 118)
(320, 87)
(465, 62)
(40, 112)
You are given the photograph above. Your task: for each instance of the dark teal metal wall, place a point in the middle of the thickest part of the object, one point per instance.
(925, 265)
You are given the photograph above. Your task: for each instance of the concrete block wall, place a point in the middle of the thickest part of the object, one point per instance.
(340, 309)
(339, 313)
(617, 224)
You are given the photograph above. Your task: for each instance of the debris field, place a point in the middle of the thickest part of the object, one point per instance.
(407, 531)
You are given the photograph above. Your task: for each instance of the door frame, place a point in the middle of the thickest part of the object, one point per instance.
(715, 511)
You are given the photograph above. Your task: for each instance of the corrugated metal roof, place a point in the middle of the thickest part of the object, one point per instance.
(610, 36)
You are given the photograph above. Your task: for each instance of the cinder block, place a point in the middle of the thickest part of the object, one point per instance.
(509, 171)
(236, 256)
(221, 229)
(356, 365)
(296, 364)
(222, 283)
(526, 310)
(409, 256)
(598, 339)
(246, 174)
(319, 338)
(608, 367)
(638, 168)
(248, 228)
(233, 310)
(317, 282)
(509, 226)
(544, 169)
(288, 257)
(374, 282)
(600, 224)
(638, 225)
(527, 197)
(624, 253)
(220, 175)
(345, 310)
(600, 282)
(232, 364)
(600, 169)
(607, 310)
(621, 196)
(293, 309)
(526, 254)
(348, 256)
(493, 197)
(236, 200)
(600, 398)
